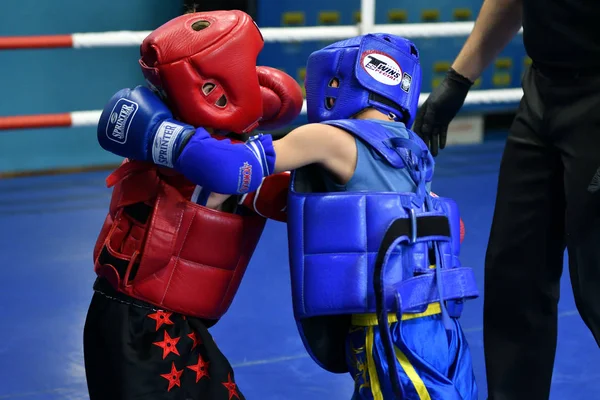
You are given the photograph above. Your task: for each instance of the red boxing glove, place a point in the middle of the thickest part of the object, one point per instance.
(270, 199)
(281, 96)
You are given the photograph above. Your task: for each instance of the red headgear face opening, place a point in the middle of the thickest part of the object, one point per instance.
(204, 66)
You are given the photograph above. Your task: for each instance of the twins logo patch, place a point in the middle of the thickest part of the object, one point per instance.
(381, 67)
(120, 120)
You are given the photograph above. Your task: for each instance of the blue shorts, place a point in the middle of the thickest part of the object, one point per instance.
(432, 363)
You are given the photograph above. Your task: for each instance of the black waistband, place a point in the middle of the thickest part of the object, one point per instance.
(104, 287)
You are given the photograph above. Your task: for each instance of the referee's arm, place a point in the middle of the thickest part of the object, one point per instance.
(496, 25)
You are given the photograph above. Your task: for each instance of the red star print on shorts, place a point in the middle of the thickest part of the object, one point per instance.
(231, 387)
(169, 345)
(201, 368)
(173, 377)
(161, 317)
(196, 339)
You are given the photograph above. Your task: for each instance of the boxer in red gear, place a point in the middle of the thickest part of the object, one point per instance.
(170, 257)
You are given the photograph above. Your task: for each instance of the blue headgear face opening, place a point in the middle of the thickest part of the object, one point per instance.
(376, 70)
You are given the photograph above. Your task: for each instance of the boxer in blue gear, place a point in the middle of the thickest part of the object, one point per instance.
(377, 283)
(372, 261)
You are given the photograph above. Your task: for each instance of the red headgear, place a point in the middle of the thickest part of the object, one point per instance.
(204, 66)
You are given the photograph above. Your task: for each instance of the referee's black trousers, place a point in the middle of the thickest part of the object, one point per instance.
(548, 200)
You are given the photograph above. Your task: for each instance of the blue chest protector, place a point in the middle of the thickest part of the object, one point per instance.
(371, 252)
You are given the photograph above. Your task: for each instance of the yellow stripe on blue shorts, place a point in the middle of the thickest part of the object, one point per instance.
(366, 373)
(371, 319)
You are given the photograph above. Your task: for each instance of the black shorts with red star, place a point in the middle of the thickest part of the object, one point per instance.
(135, 351)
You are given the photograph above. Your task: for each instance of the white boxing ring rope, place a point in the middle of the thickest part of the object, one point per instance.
(496, 96)
(280, 35)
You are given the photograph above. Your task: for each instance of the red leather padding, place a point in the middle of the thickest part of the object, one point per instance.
(177, 61)
(185, 257)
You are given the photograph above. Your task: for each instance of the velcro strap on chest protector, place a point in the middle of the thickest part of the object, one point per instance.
(419, 291)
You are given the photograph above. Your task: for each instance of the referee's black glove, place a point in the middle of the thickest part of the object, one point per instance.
(442, 105)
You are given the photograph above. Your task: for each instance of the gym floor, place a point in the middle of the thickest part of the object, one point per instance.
(49, 226)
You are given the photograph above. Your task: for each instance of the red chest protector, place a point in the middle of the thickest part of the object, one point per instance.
(158, 247)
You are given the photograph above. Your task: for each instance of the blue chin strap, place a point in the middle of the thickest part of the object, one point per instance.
(417, 161)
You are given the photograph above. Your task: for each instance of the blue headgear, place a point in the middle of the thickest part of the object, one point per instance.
(376, 70)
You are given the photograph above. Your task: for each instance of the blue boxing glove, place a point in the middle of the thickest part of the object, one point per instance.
(136, 124)
(224, 167)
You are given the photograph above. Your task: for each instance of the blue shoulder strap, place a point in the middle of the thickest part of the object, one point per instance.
(410, 153)
(376, 135)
